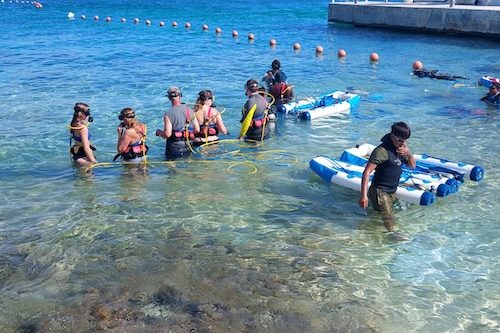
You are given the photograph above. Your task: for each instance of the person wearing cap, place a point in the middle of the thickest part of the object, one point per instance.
(387, 161)
(179, 126)
(493, 95)
(131, 145)
(209, 118)
(82, 150)
(259, 129)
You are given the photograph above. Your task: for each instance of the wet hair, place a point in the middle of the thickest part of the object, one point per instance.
(276, 64)
(202, 97)
(126, 113)
(79, 107)
(252, 85)
(401, 130)
(496, 86)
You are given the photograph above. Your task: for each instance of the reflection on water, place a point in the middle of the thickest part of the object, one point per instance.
(240, 237)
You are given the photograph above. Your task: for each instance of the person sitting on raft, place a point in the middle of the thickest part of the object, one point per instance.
(277, 84)
(131, 146)
(493, 95)
(420, 71)
(179, 126)
(82, 150)
(209, 118)
(259, 129)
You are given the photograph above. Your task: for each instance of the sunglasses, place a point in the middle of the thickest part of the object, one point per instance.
(398, 139)
(86, 113)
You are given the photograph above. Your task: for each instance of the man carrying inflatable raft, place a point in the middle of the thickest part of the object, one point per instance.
(386, 160)
(394, 172)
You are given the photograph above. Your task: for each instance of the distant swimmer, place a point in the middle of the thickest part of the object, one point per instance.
(209, 118)
(82, 150)
(254, 120)
(493, 95)
(179, 126)
(433, 74)
(131, 145)
(420, 71)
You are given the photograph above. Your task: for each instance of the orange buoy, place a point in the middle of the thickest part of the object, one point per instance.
(251, 36)
(272, 42)
(174, 23)
(136, 20)
(204, 27)
(148, 22)
(108, 19)
(342, 53)
(374, 57)
(319, 49)
(417, 64)
(187, 25)
(218, 30)
(296, 46)
(235, 33)
(162, 24)
(123, 20)
(96, 18)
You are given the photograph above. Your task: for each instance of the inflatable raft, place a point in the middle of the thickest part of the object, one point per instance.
(425, 163)
(487, 81)
(441, 184)
(325, 105)
(350, 175)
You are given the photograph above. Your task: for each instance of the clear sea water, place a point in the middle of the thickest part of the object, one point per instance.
(244, 239)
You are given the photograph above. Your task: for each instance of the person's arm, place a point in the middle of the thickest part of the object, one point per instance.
(220, 124)
(124, 141)
(405, 152)
(484, 97)
(363, 198)
(196, 125)
(167, 128)
(84, 134)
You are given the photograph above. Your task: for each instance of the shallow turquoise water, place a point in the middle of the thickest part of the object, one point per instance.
(206, 244)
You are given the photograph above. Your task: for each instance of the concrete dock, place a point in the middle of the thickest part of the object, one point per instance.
(430, 17)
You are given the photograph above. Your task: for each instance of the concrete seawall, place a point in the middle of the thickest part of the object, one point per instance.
(462, 19)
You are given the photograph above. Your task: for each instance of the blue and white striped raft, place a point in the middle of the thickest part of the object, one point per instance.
(336, 102)
(349, 176)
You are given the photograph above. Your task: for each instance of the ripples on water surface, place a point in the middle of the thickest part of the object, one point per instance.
(205, 244)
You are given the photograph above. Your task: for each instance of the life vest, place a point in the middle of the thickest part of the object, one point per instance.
(281, 92)
(388, 173)
(136, 149)
(184, 133)
(208, 128)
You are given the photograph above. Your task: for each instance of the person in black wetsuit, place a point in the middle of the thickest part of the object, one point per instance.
(420, 71)
(386, 160)
(493, 95)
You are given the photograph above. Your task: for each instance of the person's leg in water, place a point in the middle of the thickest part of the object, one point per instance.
(383, 203)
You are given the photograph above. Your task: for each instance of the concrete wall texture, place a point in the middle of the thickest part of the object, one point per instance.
(438, 18)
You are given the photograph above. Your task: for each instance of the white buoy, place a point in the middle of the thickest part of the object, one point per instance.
(71, 15)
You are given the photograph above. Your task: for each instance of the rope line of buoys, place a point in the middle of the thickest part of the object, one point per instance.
(296, 46)
(23, 2)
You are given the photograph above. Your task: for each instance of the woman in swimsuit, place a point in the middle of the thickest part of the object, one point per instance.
(82, 150)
